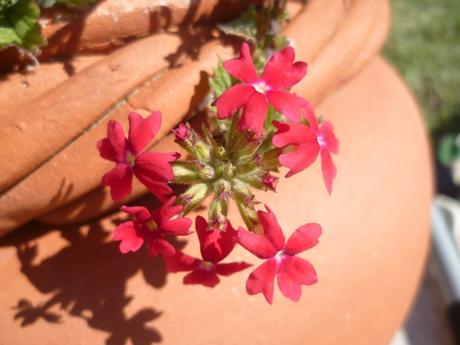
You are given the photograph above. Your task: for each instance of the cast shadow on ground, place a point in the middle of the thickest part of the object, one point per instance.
(87, 279)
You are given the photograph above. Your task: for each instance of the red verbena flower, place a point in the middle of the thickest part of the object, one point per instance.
(255, 93)
(153, 169)
(215, 245)
(152, 227)
(280, 257)
(309, 142)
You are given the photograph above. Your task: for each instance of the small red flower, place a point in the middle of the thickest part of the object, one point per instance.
(280, 257)
(309, 142)
(254, 94)
(153, 169)
(215, 245)
(152, 227)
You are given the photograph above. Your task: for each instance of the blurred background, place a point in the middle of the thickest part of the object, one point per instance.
(424, 45)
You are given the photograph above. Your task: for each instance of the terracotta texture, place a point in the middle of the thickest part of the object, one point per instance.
(112, 22)
(369, 259)
(65, 184)
(20, 88)
(63, 113)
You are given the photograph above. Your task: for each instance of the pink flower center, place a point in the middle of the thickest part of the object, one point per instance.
(206, 265)
(151, 225)
(321, 140)
(130, 158)
(279, 256)
(261, 87)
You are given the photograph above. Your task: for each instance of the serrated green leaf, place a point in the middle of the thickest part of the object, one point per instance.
(221, 80)
(244, 26)
(19, 26)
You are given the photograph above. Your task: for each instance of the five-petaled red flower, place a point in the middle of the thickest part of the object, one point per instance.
(254, 94)
(309, 142)
(280, 257)
(153, 169)
(152, 227)
(215, 245)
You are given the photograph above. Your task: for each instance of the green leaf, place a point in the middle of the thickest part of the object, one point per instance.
(221, 80)
(74, 4)
(244, 26)
(19, 26)
(6, 3)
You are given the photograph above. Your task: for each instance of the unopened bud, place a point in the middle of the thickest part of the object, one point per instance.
(182, 132)
(185, 173)
(193, 196)
(218, 211)
(205, 171)
(270, 182)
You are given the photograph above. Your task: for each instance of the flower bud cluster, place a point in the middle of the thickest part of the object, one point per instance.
(259, 126)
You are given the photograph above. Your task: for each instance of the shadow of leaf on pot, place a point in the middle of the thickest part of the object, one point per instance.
(86, 277)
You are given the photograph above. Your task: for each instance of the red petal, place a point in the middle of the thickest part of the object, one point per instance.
(288, 104)
(281, 72)
(299, 159)
(159, 246)
(176, 226)
(140, 213)
(168, 209)
(258, 245)
(329, 169)
(293, 134)
(215, 245)
(116, 137)
(142, 131)
(154, 170)
(206, 278)
(254, 113)
(292, 272)
(106, 150)
(305, 237)
(262, 279)
(119, 179)
(230, 268)
(272, 229)
(180, 262)
(242, 68)
(327, 132)
(233, 99)
(127, 234)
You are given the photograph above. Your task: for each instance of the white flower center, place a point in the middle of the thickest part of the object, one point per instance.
(279, 256)
(261, 87)
(321, 140)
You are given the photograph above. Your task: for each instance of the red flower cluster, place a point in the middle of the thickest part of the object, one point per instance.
(153, 169)
(152, 227)
(280, 257)
(256, 93)
(215, 245)
(301, 133)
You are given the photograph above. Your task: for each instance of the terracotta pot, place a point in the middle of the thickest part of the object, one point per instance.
(52, 162)
(369, 259)
(111, 23)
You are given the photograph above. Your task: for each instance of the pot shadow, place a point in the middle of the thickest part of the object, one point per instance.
(87, 279)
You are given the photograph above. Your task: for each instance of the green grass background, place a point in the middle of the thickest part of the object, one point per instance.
(424, 45)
